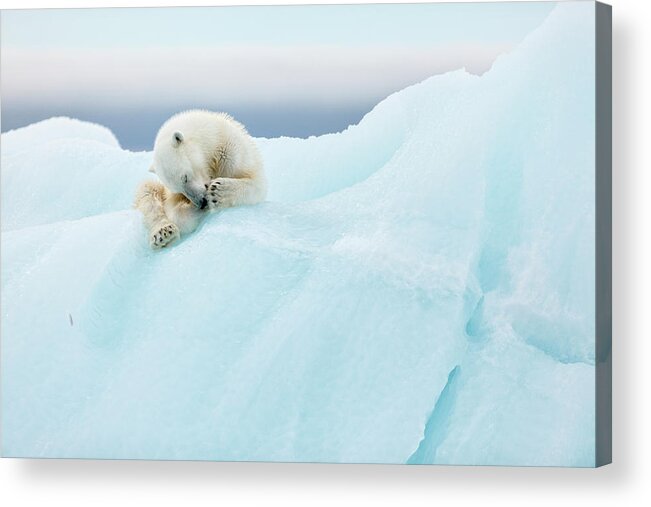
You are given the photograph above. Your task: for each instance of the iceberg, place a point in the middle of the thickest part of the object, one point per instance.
(417, 289)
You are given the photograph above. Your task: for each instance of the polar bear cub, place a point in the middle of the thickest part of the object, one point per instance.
(205, 161)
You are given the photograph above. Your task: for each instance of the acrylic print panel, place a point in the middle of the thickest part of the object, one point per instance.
(420, 283)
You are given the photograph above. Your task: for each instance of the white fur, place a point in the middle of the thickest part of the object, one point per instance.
(199, 155)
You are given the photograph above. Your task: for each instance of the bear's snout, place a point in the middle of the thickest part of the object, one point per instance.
(204, 203)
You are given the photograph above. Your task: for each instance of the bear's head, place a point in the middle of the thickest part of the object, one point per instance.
(179, 165)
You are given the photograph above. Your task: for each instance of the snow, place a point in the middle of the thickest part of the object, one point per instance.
(418, 288)
(55, 129)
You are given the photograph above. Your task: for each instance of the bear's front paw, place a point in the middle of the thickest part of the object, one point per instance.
(164, 235)
(221, 193)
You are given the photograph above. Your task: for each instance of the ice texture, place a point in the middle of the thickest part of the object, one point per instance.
(418, 288)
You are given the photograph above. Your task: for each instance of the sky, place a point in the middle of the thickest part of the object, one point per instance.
(282, 70)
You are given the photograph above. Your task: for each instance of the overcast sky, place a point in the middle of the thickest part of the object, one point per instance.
(294, 70)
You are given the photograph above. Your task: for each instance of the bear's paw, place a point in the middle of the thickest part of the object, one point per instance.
(162, 236)
(222, 193)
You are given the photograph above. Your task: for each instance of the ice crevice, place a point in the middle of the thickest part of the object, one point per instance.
(436, 424)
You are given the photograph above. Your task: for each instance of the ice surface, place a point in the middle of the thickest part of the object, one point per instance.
(418, 288)
(55, 129)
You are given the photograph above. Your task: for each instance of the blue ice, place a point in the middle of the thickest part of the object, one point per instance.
(418, 288)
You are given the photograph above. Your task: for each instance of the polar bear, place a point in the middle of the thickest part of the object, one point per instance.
(206, 161)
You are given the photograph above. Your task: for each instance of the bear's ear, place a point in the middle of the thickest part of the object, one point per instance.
(152, 169)
(178, 138)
